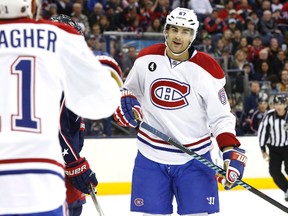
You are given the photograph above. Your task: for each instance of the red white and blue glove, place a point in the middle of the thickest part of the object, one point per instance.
(234, 163)
(80, 175)
(129, 110)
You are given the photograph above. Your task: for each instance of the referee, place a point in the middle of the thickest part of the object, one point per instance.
(273, 134)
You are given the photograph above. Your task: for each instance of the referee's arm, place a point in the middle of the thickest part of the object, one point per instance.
(263, 133)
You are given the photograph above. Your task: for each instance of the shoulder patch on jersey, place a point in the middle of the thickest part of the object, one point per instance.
(222, 96)
(209, 64)
(156, 49)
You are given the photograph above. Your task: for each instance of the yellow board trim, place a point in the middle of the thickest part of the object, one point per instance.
(121, 188)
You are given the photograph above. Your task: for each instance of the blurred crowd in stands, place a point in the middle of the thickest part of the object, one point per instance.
(248, 37)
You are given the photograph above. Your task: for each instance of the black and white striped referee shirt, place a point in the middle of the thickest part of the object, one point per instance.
(273, 130)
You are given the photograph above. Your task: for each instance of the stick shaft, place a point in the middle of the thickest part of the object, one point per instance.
(211, 165)
(95, 200)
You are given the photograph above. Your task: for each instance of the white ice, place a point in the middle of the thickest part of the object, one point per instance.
(232, 203)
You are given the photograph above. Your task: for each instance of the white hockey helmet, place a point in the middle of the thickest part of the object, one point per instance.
(11, 9)
(183, 17)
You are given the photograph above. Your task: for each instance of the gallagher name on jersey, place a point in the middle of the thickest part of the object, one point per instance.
(34, 38)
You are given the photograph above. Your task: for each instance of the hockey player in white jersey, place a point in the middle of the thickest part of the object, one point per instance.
(39, 60)
(180, 92)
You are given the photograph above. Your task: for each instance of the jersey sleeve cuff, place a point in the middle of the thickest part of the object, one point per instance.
(227, 139)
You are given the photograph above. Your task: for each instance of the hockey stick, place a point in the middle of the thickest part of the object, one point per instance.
(211, 165)
(95, 201)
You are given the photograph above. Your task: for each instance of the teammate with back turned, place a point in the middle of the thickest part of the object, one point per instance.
(180, 92)
(40, 60)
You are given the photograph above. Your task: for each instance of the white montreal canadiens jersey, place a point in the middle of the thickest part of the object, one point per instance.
(185, 100)
(38, 61)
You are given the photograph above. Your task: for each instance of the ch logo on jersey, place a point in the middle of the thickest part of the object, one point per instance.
(152, 66)
(139, 202)
(169, 94)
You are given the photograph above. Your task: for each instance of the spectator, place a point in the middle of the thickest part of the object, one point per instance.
(130, 3)
(250, 32)
(285, 65)
(273, 48)
(207, 43)
(132, 20)
(202, 8)
(269, 28)
(52, 11)
(254, 50)
(264, 5)
(224, 13)
(254, 118)
(162, 9)
(262, 71)
(91, 41)
(232, 24)
(236, 39)
(283, 85)
(249, 70)
(278, 63)
(214, 25)
(96, 30)
(113, 17)
(274, 80)
(244, 9)
(147, 14)
(105, 24)
(91, 4)
(100, 48)
(218, 49)
(236, 67)
(276, 5)
(79, 17)
(95, 14)
(115, 50)
(155, 26)
(64, 7)
(227, 39)
(239, 60)
(242, 45)
(255, 19)
(251, 101)
(234, 16)
(128, 60)
(283, 19)
(263, 56)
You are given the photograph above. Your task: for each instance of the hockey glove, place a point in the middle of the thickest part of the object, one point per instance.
(129, 110)
(113, 67)
(80, 175)
(234, 163)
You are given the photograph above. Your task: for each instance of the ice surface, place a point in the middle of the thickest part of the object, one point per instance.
(232, 203)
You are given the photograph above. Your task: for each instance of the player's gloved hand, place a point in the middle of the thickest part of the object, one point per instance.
(113, 67)
(81, 175)
(234, 163)
(129, 110)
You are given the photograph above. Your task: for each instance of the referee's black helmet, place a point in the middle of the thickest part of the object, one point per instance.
(280, 99)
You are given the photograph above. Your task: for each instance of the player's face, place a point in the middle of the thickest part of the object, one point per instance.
(178, 38)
